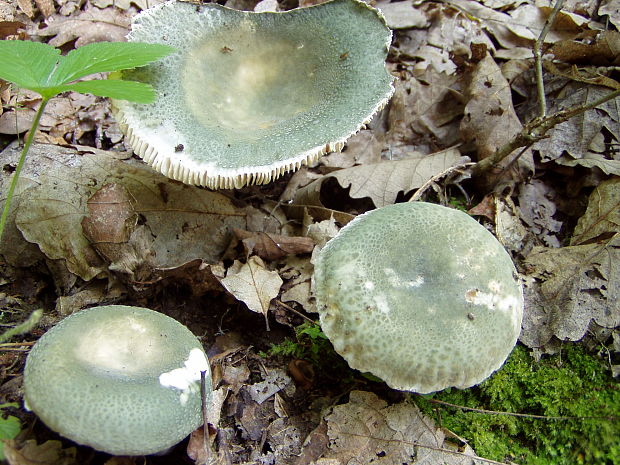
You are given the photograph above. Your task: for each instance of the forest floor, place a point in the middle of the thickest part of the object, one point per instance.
(465, 88)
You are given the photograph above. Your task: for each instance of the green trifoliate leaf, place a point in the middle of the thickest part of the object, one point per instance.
(121, 90)
(107, 56)
(41, 68)
(27, 64)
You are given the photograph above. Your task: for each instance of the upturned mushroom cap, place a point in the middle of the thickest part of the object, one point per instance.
(420, 295)
(123, 380)
(250, 96)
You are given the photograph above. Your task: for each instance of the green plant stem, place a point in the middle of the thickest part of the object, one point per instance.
(20, 164)
(24, 327)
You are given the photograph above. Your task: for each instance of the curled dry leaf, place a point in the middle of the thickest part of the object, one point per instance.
(273, 246)
(253, 284)
(603, 49)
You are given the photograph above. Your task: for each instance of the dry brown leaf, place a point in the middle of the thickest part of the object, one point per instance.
(87, 26)
(46, 7)
(298, 273)
(363, 148)
(273, 246)
(566, 25)
(95, 293)
(199, 448)
(604, 49)
(367, 431)
(578, 140)
(176, 218)
(9, 28)
(572, 286)
(400, 15)
(31, 453)
(253, 284)
(451, 33)
(490, 120)
(611, 8)
(382, 182)
(111, 216)
(537, 210)
(601, 219)
(424, 112)
(500, 25)
(16, 121)
(27, 6)
(509, 228)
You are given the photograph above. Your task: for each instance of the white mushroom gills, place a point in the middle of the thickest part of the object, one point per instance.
(247, 107)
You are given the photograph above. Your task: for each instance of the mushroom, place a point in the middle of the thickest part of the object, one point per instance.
(250, 96)
(123, 380)
(420, 295)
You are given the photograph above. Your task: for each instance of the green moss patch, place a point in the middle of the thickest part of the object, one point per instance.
(570, 384)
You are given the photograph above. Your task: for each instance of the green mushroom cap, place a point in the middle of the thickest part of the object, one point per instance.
(420, 295)
(249, 96)
(123, 380)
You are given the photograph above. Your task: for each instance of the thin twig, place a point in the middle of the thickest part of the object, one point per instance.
(298, 313)
(538, 45)
(6, 345)
(206, 444)
(536, 130)
(521, 415)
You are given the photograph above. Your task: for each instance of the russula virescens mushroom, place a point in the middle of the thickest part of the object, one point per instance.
(123, 380)
(420, 295)
(249, 96)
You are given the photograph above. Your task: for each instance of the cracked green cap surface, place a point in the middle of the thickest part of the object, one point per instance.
(249, 96)
(419, 295)
(123, 380)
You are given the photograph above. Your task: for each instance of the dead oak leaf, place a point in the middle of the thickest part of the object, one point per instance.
(567, 288)
(366, 430)
(602, 217)
(253, 284)
(87, 26)
(576, 141)
(382, 182)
